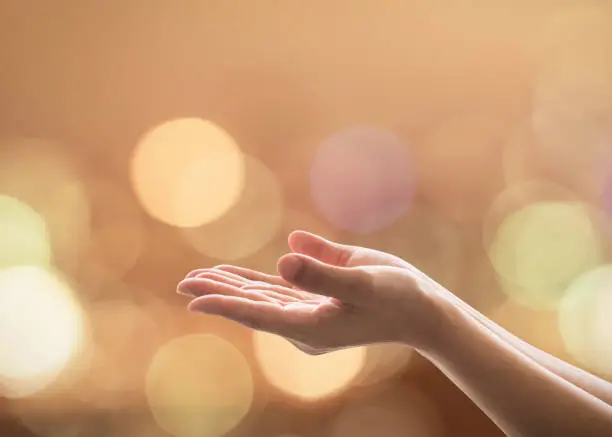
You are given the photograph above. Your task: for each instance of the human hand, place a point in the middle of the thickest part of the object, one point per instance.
(347, 300)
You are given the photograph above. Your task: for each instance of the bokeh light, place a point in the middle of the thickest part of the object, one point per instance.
(138, 144)
(41, 174)
(187, 172)
(584, 320)
(518, 196)
(41, 329)
(408, 415)
(362, 179)
(199, 386)
(308, 377)
(24, 237)
(251, 223)
(539, 249)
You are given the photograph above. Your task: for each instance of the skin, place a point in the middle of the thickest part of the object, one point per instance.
(330, 296)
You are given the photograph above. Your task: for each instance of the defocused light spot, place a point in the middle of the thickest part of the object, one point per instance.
(362, 179)
(41, 174)
(117, 234)
(539, 249)
(187, 172)
(584, 320)
(41, 326)
(252, 222)
(518, 196)
(24, 237)
(302, 375)
(124, 338)
(199, 386)
(384, 361)
(458, 163)
(398, 416)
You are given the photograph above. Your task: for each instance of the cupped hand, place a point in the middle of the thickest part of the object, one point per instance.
(327, 296)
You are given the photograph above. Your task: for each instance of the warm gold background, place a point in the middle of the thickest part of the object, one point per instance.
(486, 95)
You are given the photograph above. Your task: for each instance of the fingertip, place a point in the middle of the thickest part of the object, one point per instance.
(290, 266)
(204, 304)
(185, 287)
(194, 273)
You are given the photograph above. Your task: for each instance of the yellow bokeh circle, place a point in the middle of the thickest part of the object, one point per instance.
(199, 386)
(187, 172)
(306, 376)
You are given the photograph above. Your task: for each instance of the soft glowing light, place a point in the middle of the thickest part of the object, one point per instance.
(518, 196)
(187, 172)
(539, 249)
(199, 386)
(306, 376)
(24, 237)
(252, 223)
(584, 319)
(41, 327)
(39, 172)
(362, 179)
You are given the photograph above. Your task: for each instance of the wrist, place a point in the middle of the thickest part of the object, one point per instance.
(439, 321)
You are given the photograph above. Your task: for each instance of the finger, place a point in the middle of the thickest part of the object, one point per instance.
(347, 284)
(286, 288)
(320, 248)
(195, 273)
(283, 291)
(276, 295)
(253, 275)
(220, 277)
(228, 277)
(200, 287)
(263, 316)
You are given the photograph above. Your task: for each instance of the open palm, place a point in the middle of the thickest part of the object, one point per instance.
(271, 303)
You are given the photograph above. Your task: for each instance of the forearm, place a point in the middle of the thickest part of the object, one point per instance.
(586, 381)
(522, 397)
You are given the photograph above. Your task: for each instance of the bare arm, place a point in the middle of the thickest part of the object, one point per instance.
(596, 386)
(520, 395)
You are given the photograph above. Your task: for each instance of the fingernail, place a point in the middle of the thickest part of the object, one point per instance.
(290, 267)
(184, 289)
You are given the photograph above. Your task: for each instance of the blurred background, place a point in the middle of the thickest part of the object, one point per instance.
(140, 140)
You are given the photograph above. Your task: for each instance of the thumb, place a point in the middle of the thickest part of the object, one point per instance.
(319, 248)
(347, 284)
